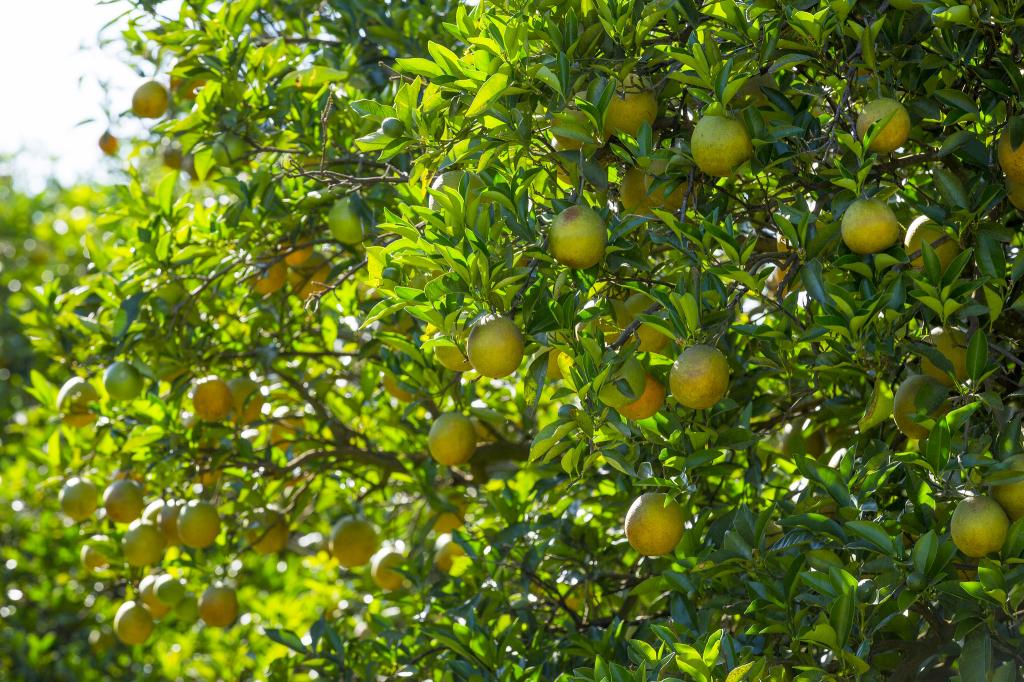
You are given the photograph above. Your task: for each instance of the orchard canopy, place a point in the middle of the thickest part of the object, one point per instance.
(537, 340)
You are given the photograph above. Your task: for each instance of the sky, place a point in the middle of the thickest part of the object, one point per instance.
(52, 77)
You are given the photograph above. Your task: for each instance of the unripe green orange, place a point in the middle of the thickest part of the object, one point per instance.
(142, 544)
(73, 401)
(1010, 496)
(654, 524)
(345, 223)
(382, 570)
(699, 377)
(78, 499)
(869, 226)
(198, 524)
(978, 526)
(452, 439)
(353, 541)
(123, 501)
(147, 595)
(150, 100)
(495, 346)
(133, 624)
(168, 589)
(578, 237)
(122, 381)
(218, 606)
(894, 134)
(720, 145)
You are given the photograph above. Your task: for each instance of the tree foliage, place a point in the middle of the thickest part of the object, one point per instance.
(342, 193)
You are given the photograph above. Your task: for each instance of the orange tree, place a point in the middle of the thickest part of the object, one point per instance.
(551, 340)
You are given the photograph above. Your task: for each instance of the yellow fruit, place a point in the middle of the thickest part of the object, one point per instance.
(211, 399)
(446, 551)
(651, 340)
(633, 374)
(641, 193)
(447, 521)
(269, 278)
(1011, 159)
(928, 233)
(133, 623)
(631, 106)
(382, 570)
(978, 526)
(1010, 496)
(869, 226)
(353, 541)
(649, 403)
(297, 255)
(310, 278)
(1015, 193)
(952, 344)
(93, 558)
(573, 119)
(578, 237)
(150, 100)
(218, 606)
(905, 404)
(123, 501)
(395, 389)
(267, 532)
(122, 381)
(142, 544)
(73, 402)
(78, 499)
(452, 358)
(108, 143)
(168, 589)
(147, 595)
(554, 371)
(345, 224)
(699, 377)
(452, 439)
(246, 400)
(495, 346)
(654, 524)
(165, 516)
(894, 134)
(720, 145)
(198, 524)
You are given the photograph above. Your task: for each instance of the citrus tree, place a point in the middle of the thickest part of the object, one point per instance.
(548, 340)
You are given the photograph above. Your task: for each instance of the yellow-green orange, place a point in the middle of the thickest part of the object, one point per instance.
(345, 224)
(218, 606)
(631, 106)
(93, 558)
(133, 624)
(198, 524)
(452, 439)
(78, 499)
(147, 594)
(720, 145)
(1010, 496)
(122, 381)
(952, 344)
(165, 515)
(578, 237)
(699, 377)
(654, 524)
(893, 134)
(246, 399)
(869, 226)
(267, 532)
(142, 544)
(452, 358)
(643, 191)
(929, 233)
(150, 100)
(446, 551)
(211, 399)
(495, 346)
(382, 570)
(394, 388)
(353, 541)
(123, 501)
(978, 526)
(651, 340)
(905, 404)
(73, 401)
(633, 374)
(1011, 159)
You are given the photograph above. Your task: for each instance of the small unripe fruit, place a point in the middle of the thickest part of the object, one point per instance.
(720, 145)
(452, 439)
(150, 100)
(578, 237)
(78, 499)
(382, 570)
(916, 388)
(353, 541)
(198, 524)
(123, 501)
(169, 590)
(446, 551)
(495, 347)
(267, 532)
(108, 143)
(133, 624)
(392, 127)
(246, 400)
(147, 594)
(142, 544)
(978, 526)
(869, 226)
(93, 558)
(699, 377)
(122, 381)
(345, 223)
(218, 606)
(73, 401)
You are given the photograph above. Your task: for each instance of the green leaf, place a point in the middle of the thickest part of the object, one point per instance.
(487, 93)
(977, 355)
(975, 661)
